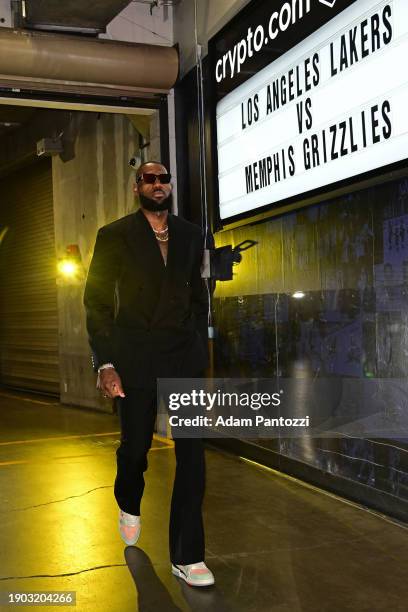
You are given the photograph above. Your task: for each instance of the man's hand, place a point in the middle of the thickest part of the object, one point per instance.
(110, 383)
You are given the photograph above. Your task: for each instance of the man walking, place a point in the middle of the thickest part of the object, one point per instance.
(147, 310)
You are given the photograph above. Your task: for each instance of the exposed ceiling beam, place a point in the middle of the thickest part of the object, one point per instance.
(76, 106)
(90, 16)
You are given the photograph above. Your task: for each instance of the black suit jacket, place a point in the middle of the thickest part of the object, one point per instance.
(148, 319)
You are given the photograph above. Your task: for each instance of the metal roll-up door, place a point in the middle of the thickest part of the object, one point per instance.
(28, 297)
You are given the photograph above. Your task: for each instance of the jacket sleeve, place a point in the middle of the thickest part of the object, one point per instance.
(99, 297)
(199, 294)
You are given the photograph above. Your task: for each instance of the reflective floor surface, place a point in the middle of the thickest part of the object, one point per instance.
(273, 543)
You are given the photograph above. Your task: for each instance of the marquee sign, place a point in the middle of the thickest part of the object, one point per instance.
(332, 107)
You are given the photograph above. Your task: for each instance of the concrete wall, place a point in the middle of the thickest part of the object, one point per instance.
(137, 24)
(202, 19)
(91, 189)
(5, 14)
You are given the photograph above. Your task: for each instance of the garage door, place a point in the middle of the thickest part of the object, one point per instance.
(28, 298)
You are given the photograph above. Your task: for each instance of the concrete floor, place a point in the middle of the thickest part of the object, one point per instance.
(272, 543)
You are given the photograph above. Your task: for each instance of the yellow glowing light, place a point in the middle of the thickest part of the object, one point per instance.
(68, 267)
(298, 295)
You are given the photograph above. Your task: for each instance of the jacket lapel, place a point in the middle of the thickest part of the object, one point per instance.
(143, 244)
(149, 261)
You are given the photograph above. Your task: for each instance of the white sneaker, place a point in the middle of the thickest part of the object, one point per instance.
(195, 574)
(129, 527)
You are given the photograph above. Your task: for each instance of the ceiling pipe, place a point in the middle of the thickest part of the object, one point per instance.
(47, 59)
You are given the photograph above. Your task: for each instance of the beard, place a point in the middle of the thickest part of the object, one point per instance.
(153, 206)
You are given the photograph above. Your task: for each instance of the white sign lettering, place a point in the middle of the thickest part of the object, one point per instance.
(333, 107)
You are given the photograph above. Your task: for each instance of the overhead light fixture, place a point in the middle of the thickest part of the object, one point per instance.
(8, 124)
(49, 146)
(66, 29)
(298, 295)
(158, 3)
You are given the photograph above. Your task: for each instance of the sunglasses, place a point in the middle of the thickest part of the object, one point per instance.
(150, 178)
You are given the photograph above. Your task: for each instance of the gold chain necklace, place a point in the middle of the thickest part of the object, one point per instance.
(164, 231)
(164, 239)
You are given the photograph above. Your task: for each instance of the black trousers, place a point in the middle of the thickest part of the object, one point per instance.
(137, 413)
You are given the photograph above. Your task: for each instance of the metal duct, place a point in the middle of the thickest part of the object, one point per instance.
(71, 14)
(52, 61)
